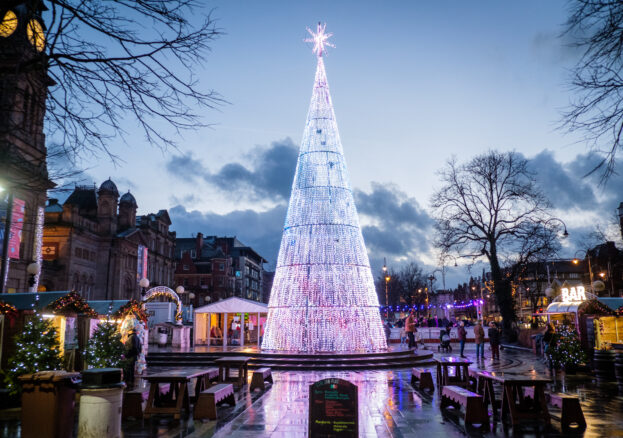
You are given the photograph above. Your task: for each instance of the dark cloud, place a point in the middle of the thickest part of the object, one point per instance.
(400, 226)
(564, 187)
(260, 230)
(268, 176)
(571, 185)
(186, 167)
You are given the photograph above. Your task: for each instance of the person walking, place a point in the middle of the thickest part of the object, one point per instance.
(479, 337)
(548, 337)
(410, 329)
(494, 340)
(462, 335)
(133, 350)
(403, 335)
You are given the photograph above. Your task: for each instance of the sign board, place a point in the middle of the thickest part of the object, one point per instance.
(333, 409)
(573, 294)
(141, 263)
(17, 223)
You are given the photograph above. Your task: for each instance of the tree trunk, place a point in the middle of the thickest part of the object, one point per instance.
(503, 296)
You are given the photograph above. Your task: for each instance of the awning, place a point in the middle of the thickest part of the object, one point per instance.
(563, 307)
(234, 305)
(101, 306)
(26, 300)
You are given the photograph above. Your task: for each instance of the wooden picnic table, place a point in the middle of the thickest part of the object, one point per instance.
(514, 405)
(460, 377)
(178, 397)
(227, 362)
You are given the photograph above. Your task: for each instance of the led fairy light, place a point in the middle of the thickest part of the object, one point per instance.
(323, 296)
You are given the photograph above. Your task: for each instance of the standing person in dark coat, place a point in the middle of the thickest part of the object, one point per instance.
(494, 340)
(133, 350)
(479, 339)
(410, 329)
(462, 335)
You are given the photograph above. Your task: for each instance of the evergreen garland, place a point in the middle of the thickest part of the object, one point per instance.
(105, 349)
(37, 348)
(566, 349)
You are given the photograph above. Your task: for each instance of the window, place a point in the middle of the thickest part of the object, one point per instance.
(220, 281)
(78, 252)
(221, 267)
(193, 253)
(185, 267)
(318, 131)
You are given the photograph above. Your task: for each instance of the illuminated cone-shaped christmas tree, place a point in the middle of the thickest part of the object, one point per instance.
(323, 297)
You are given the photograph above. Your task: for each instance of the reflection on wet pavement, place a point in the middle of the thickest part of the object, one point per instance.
(388, 407)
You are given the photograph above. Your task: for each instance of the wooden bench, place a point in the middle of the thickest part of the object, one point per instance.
(133, 401)
(475, 382)
(475, 411)
(211, 397)
(260, 376)
(424, 376)
(569, 405)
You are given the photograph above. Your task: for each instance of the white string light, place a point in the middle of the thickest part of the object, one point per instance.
(323, 296)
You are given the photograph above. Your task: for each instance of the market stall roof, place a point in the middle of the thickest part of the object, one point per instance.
(25, 300)
(613, 303)
(101, 306)
(234, 305)
(561, 307)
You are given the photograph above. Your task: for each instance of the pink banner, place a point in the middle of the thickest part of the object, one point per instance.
(17, 223)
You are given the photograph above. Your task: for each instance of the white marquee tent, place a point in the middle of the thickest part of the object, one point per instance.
(207, 317)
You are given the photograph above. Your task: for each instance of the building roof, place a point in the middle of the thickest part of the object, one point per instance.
(53, 206)
(108, 187)
(234, 305)
(26, 300)
(84, 198)
(128, 198)
(101, 306)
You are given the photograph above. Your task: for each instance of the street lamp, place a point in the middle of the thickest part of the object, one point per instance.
(144, 284)
(590, 269)
(33, 270)
(387, 278)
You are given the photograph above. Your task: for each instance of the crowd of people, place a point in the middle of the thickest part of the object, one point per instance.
(410, 336)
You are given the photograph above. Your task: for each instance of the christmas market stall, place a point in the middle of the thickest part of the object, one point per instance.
(233, 321)
(68, 312)
(586, 313)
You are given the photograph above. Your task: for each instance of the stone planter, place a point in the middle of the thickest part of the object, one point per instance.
(603, 364)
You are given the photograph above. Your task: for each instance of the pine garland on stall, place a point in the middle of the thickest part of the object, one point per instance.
(566, 349)
(105, 349)
(37, 348)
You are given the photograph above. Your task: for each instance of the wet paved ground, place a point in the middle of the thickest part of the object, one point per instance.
(388, 407)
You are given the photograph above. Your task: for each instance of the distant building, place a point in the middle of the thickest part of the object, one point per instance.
(267, 285)
(214, 268)
(95, 244)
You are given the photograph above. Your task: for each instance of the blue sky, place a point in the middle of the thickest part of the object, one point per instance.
(412, 82)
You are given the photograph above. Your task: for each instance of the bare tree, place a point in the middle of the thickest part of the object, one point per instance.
(491, 207)
(111, 62)
(597, 77)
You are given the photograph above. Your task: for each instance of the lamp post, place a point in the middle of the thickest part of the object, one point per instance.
(180, 291)
(33, 270)
(387, 278)
(144, 284)
(590, 269)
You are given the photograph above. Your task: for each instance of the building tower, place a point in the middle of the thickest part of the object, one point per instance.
(107, 197)
(323, 297)
(127, 212)
(24, 83)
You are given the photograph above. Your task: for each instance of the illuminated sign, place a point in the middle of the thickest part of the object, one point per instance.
(573, 294)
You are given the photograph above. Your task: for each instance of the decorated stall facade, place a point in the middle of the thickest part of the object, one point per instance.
(68, 312)
(233, 321)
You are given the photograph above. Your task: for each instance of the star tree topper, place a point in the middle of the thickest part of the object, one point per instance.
(319, 38)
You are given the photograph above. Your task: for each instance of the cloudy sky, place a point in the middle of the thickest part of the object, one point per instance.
(412, 82)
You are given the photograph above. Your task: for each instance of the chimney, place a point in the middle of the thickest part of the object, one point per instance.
(199, 243)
